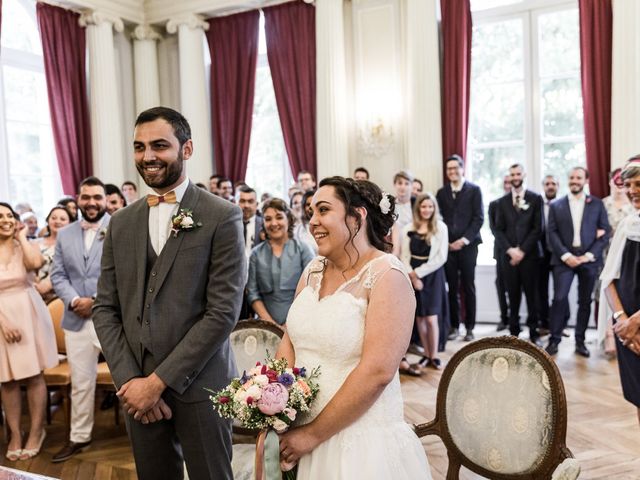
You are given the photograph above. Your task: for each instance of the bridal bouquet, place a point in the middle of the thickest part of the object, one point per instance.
(270, 395)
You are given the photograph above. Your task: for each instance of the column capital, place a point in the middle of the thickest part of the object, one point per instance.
(97, 17)
(191, 20)
(144, 31)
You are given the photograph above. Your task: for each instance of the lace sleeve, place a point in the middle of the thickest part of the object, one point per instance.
(312, 274)
(363, 286)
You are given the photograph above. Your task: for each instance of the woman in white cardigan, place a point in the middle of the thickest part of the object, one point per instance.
(424, 250)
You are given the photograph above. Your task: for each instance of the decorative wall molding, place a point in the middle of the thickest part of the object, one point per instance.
(144, 31)
(98, 17)
(191, 20)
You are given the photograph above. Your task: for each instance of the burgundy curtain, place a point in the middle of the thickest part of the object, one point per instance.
(595, 58)
(233, 43)
(291, 49)
(63, 48)
(456, 75)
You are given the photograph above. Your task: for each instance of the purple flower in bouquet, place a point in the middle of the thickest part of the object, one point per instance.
(244, 377)
(274, 399)
(286, 379)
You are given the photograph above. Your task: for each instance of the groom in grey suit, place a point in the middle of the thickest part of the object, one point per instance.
(173, 271)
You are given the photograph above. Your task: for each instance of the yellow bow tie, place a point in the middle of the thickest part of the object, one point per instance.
(153, 200)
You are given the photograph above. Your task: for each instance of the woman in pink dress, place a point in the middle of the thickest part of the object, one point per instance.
(27, 343)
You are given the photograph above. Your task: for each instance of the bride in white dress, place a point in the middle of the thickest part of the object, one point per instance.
(352, 316)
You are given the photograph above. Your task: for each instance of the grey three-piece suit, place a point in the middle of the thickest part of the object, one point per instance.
(172, 313)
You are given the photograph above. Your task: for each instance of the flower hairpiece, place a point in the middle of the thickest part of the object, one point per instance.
(385, 203)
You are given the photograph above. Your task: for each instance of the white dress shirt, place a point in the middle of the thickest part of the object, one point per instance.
(576, 205)
(251, 233)
(160, 218)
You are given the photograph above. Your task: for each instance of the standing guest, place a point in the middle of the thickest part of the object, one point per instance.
(402, 184)
(620, 297)
(115, 198)
(618, 207)
(27, 343)
(225, 188)
(75, 272)
(71, 205)
(167, 302)
(501, 287)
(30, 220)
(361, 173)
(213, 184)
(130, 192)
(460, 202)
(251, 222)
(550, 190)
(417, 187)
(578, 232)
(304, 233)
(275, 265)
(301, 227)
(517, 230)
(58, 218)
(306, 180)
(295, 204)
(425, 245)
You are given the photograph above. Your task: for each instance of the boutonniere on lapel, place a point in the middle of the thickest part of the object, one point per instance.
(588, 199)
(522, 204)
(102, 233)
(183, 222)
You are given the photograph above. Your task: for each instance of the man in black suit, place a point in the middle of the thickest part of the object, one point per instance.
(578, 232)
(460, 203)
(252, 222)
(550, 190)
(518, 229)
(501, 288)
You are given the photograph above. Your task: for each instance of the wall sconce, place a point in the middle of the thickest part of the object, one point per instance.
(375, 139)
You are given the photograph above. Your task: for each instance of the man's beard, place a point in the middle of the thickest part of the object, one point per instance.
(172, 173)
(575, 192)
(516, 183)
(100, 213)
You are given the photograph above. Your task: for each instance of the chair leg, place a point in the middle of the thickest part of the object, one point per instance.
(453, 472)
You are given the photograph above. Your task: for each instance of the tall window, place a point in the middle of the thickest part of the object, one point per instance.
(28, 168)
(526, 99)
(268, 169)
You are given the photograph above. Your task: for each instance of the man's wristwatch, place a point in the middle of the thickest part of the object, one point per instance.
(617, 315)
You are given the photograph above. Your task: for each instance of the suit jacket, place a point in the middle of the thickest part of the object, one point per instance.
(560, 227)
(75, 273)
(259, 222)
(491, 213)
(183, 307)
(519, 228)
(464, 214)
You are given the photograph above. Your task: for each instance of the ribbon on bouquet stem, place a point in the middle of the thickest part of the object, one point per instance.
(267, 465)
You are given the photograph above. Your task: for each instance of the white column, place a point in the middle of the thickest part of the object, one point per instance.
(194, 100)
(145, 66)
(424, 123)
(625, 88)
(107, 138)
(331, 88)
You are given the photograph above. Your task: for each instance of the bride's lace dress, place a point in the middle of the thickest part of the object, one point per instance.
(329, 332)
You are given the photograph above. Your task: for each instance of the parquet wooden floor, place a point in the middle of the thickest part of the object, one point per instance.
(603, 431)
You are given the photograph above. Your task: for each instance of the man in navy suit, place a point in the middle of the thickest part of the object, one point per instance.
(578, 232)
(550, 189)
(518, 229)
(460, 204)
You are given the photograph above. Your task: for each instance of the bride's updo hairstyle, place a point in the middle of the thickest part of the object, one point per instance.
(381, 208)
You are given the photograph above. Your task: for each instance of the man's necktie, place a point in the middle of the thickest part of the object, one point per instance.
(517, 204)
(153, 200)
(244, 226)
(454, 194)
(95, 226)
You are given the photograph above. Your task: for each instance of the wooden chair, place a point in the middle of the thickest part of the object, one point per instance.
(251, 341)
(59, 377)
(501, 412)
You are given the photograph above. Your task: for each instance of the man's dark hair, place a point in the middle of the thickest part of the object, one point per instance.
(201, 185)
(246, 189)
(586, 172)
(111, 189)
(420, 182)
(363, 170)
(303, 172)
(457, 158)
(181, 128)
(92, 182)
(131, 184)
(517, 165)
(214, 176)
(222, 180)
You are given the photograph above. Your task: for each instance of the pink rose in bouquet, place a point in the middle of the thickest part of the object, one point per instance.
(274, 399)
